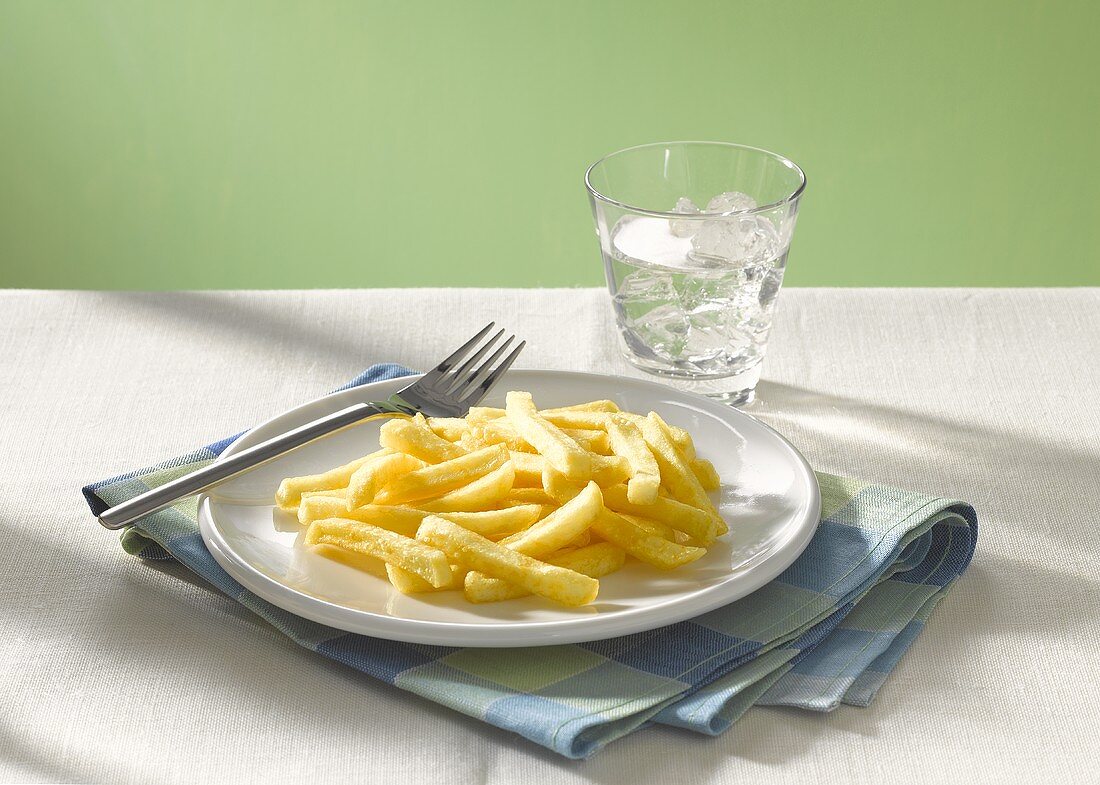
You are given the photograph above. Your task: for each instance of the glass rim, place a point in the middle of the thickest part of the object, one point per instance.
(789, 199)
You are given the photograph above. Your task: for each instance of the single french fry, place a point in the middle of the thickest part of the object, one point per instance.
(642, 545)
(483, 413)
(590, 406)
(332, 493)
(410, 583)
(501, 431)
(481, 494)
(571, 418)
(595, 561)
(449, 428)
(373, 475)
(474, 552)
(662, 530)
(700, 525)
(495, 524)
(706, 474)
(558, 488)
(402, 520)
(437, 479)
(528, 496)
(676, 475)
(409, 554)
(610, 470)
(559, 527)
(559, 450)
(529, 468)
(645, 477)
(580, 541)
(360, 561)
(414, 437)
(592, 440)
(291, 489)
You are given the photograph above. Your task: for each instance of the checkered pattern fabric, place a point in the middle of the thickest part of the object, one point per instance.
(827, 631)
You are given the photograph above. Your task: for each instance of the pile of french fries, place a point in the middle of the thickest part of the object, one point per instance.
(510, 502)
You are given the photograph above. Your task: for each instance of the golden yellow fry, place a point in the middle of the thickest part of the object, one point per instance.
(528, 496)
(566, 418)
(360, 561)
(410, 583)
(591, 440)
(700, 525)
(402, 520)
(610, 470)
(501, 431)
(409, 554)
(438, 479)
(580, 541)
(483, 493)
(642, 545)
(492, 412)
(590, 406)
(484, 413)
(560, 451)
(495, 524)
(373, 475)
(559, 527)
(557, 487)
(676, 475)
(414, 437)
(529, 468)
(449, 428)
(662, 530)
(595, 561)
(474, 552)
(333, 493)
(645, 477)
(291, 489)
(706, 474)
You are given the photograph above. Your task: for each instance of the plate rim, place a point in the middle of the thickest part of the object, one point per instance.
(513, 633)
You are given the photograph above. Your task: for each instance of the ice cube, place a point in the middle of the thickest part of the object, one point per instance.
(731, 201)
(684, 228)
(748, 238)
(664, 330)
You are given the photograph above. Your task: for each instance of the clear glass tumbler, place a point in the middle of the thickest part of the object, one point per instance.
(695, 237)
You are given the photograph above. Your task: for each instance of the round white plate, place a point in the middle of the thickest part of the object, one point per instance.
(769, 497)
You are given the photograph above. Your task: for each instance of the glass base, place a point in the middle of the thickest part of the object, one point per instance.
(736, 389)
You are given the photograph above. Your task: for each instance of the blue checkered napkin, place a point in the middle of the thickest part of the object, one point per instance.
(827, 631)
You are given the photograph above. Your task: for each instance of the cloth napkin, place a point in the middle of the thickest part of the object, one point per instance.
(827, 631)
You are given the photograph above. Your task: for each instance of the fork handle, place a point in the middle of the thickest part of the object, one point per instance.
(216, 473)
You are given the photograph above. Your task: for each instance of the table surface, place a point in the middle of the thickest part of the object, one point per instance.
(114, 671)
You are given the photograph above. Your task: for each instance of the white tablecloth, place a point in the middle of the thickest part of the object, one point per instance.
(113, 671)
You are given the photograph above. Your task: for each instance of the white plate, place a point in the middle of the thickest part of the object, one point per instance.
(769, 497)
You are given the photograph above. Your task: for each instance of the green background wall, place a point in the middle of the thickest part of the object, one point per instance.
(344, 144)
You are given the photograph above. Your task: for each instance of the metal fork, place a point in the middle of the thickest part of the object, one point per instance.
(444, 391)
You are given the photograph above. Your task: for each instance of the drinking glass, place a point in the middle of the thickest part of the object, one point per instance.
(695, 238)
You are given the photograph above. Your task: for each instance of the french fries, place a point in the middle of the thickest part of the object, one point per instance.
(438, 479)
(560, 451)
(413, 555)
(506, 503)
(402, 520)
(373, 475)
(595, 561)
(291, 489)
(474, 552)
(642, 545)
(414, 437)
(481, 494)
(645, 477)
(676, 474)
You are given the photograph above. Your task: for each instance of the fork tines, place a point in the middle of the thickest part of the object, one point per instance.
(467, 383)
